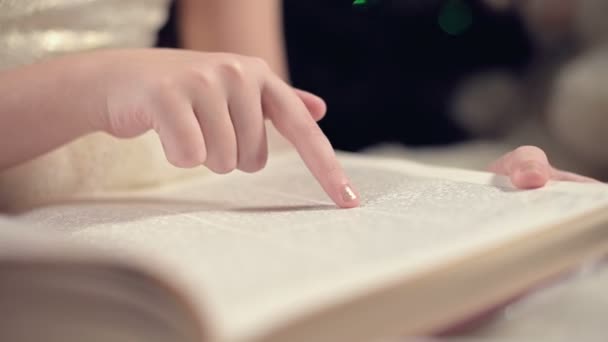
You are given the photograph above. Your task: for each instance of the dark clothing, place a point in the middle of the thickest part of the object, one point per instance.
(387, 69)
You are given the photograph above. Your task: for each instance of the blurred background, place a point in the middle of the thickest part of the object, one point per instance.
(454, 82)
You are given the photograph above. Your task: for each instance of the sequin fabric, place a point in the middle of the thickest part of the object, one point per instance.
(31, 30)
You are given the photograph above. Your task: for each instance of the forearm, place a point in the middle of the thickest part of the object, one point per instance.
(40, 109)
(252, 28)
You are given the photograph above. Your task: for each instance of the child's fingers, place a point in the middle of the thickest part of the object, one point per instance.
(571, 177)
(291, 118)
(248, 120)
(527, 166)
(530, 175)
(315, 105)
(179, 132)
(214, 119)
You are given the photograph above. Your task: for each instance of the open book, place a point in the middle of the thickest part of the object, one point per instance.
(267, 257)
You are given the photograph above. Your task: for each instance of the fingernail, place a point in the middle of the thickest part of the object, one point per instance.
(348, 194)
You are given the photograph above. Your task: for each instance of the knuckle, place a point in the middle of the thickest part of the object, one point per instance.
(163, 87)
(234, 70)
(332, 169)
(259, 63)
(312, 132)
(203, 79)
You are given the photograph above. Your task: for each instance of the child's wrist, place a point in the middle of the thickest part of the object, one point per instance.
(82, 78)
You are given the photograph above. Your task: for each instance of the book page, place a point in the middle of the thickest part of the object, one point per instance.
(55, 291)
(256, 249)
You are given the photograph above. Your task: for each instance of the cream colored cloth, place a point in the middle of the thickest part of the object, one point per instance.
(36, 29)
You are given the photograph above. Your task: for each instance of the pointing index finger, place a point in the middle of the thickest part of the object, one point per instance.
(291, 118)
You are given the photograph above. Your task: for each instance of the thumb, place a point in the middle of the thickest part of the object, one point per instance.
(527, 166)
(315, 105)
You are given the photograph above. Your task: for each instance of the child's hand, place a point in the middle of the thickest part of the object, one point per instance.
(529, 168)
(209, 109)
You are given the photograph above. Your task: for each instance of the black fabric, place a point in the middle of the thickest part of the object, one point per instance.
(168, 36)
(387, 69)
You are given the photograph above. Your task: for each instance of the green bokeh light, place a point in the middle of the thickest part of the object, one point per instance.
(360, 2)
(456, 17)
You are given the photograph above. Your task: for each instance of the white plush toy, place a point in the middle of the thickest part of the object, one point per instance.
(562, 103)
(578, 110)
